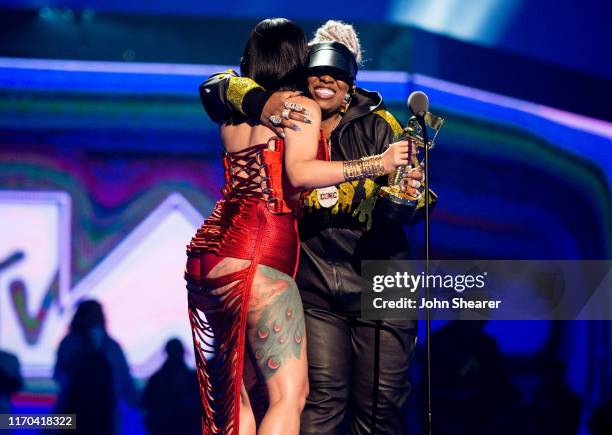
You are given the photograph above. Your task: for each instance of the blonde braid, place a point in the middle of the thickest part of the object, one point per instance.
(340, 32)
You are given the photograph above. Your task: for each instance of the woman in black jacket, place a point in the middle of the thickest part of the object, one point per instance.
(357, 369)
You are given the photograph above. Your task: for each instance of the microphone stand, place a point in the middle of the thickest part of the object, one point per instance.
(421, 120)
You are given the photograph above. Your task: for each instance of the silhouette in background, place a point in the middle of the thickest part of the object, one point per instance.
(171, 399)
(601, 420)
(556, 408)
(10, 380)
(472, 390)
(92, 373)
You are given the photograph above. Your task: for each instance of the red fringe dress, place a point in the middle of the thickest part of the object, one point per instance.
(254, 222)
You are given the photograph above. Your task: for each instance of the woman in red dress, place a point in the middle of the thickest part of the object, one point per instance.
(244, 307)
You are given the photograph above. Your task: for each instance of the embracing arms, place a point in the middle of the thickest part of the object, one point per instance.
(226, 93)
(305, 172)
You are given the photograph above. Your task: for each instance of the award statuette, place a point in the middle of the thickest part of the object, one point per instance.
(393, 201)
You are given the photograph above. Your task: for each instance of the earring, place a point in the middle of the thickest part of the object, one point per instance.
(346, 101)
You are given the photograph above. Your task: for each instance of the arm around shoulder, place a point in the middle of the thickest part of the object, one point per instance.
(226, 93)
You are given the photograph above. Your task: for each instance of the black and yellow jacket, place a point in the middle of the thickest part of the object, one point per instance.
(334, 240)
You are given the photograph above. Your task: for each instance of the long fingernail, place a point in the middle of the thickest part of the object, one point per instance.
(296, 127)
(282, 134)
(307, 120)
(415, 183)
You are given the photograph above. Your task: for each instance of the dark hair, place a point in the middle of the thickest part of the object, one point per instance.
(88, 315)
(175, 349)
(275, 54)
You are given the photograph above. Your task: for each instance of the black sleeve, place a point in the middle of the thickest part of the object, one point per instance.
(387, 129)
(220, 108)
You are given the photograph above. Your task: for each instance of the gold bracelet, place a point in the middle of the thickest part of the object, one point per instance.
(352, 169)
(374, 166)
(365, 167)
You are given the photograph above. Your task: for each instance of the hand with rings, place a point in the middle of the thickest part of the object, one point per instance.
(275, 120)
(279, 113)
(297, 107)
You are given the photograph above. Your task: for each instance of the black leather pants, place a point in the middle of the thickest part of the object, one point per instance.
(358, 374)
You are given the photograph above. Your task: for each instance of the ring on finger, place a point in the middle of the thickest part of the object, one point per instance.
(275, 120)
(285, 113)
(293, 106)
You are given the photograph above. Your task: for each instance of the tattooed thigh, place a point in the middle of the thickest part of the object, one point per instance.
(275, 324)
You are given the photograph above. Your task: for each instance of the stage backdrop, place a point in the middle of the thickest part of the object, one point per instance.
(107, 169)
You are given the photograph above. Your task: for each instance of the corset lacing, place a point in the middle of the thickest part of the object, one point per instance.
(256, 171)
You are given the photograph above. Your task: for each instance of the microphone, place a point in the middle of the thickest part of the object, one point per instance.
(418, 103)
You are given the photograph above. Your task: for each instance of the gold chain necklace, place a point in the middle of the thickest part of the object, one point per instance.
(338, 119)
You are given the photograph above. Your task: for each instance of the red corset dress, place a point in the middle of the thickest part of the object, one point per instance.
(253, 222)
